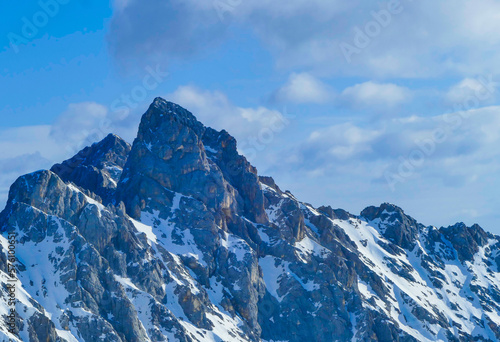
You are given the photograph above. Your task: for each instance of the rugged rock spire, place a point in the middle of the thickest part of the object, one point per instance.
(169, 155)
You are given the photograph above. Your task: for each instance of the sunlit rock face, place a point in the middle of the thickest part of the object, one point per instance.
(177, 238)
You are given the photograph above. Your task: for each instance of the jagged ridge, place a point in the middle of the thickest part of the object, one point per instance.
(176, 238)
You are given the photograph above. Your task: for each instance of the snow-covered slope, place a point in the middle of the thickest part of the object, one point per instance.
(177, 238)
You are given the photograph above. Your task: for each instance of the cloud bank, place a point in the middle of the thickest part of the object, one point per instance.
(396, 38)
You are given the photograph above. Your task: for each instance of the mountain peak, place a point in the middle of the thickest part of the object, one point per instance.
(385, 208)
(466, 240)
(394, 224)
(97, 167)
(112, 138)
(161, 111)
(169, 154)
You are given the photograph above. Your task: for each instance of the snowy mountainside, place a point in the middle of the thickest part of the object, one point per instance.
(177, 238)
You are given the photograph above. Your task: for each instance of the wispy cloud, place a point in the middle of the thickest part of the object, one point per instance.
(371, 94)
(469, 87)
(464, 150)
(255, 128)
(303, 88)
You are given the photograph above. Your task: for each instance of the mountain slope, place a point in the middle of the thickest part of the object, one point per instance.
(177, 238)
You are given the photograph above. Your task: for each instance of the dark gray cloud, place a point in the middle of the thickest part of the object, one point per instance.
(398, 38)
(159, 31)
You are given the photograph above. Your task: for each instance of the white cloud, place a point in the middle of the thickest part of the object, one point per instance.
(17, 141)
(214, 109)
(303, 88)
(371, 94)
(80, 121)
(344, 141)
(469, 88)
(456, 144)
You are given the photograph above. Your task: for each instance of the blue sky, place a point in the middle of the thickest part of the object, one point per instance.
(348, 104)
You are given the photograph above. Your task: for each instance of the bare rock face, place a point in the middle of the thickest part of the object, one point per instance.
(221, 148)
(97, 168)
(466, 240)
(177, 238)
(398, 228)
(169, 156)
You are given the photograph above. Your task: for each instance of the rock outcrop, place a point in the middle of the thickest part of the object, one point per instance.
(97, 168)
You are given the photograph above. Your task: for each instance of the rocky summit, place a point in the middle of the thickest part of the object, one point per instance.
(177, 238)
